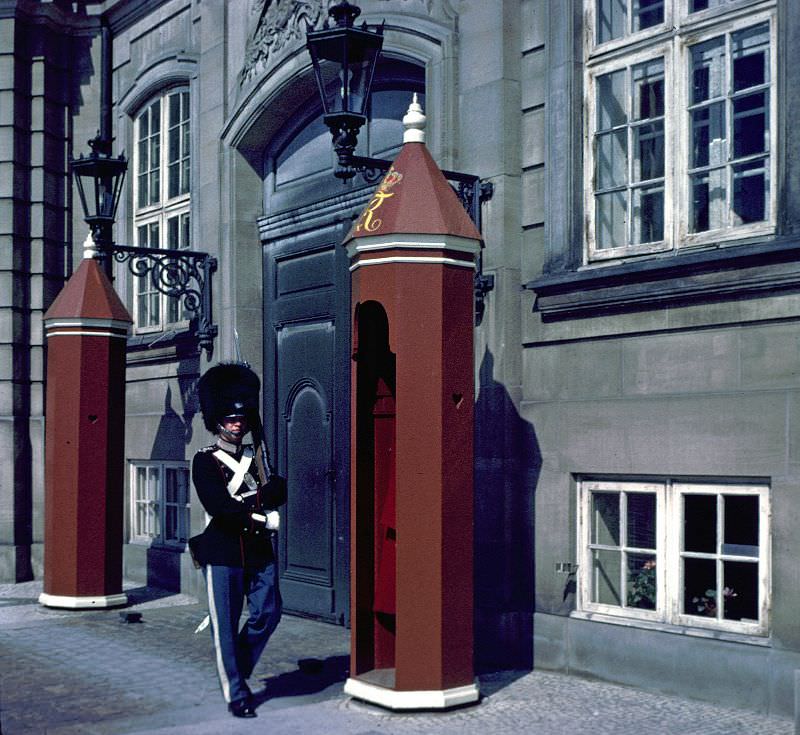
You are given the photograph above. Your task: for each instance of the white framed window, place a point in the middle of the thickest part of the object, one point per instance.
(159, 502)
(162, 211)
(691, 554)
(680, 124)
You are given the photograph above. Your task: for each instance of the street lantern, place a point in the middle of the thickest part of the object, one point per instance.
(180, 274)
(99, 177)
(344, 60)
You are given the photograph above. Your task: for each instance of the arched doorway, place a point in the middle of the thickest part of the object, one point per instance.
(307, 335)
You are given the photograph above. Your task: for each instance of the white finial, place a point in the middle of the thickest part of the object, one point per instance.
(89, 246)
(414, 123)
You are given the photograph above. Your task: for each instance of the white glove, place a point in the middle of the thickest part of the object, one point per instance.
(271, 520)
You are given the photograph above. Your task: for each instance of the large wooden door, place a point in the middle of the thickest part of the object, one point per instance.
(307, 394)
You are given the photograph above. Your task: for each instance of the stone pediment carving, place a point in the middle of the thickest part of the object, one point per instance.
(277, 23)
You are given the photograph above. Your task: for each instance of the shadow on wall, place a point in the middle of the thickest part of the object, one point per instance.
(172, 437)
(507, 466)
(174, 431)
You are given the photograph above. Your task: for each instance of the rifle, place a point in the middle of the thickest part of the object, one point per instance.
(262, 457)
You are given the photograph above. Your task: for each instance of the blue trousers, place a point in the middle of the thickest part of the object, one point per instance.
(238, 651)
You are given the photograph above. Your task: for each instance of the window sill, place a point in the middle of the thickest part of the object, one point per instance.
(157, 545)
(171, 344)
(669, 279)
(683, 630)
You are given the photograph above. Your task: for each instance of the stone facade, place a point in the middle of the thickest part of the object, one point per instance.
(663, 366)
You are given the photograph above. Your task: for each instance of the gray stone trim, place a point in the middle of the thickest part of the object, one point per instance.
(125, 13)
(169, 69)
(564, 125)
(314, 215)
(744, 270)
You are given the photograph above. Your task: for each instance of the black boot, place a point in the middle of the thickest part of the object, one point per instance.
(242, 708)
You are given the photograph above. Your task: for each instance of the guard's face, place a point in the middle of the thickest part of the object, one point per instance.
(234, 428)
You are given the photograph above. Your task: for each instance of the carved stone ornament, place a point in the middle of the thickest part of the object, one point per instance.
(277, 24)
(428, 5)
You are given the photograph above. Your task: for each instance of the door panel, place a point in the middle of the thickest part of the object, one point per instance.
(304, 367)
(306, 394)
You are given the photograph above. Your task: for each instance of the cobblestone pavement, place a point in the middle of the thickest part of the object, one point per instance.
(68, 672)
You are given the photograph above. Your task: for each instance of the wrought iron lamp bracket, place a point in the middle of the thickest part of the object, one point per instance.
(180, 274)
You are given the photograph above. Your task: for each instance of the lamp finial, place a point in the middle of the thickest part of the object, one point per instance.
(414, 123)
(90, 246)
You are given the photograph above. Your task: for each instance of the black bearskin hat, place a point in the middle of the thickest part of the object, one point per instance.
(227, 389)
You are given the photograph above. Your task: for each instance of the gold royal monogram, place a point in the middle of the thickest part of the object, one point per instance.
(368, 221)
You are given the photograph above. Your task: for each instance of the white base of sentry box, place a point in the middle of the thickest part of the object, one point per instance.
(403, 700)
(78, 603)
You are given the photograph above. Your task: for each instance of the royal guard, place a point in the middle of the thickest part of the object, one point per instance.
(238, 549)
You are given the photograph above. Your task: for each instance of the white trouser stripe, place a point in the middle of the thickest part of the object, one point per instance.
(212, 610)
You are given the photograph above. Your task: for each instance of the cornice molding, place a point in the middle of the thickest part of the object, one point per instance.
(683, 279)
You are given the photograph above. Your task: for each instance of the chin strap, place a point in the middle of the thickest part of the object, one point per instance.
(228, 436)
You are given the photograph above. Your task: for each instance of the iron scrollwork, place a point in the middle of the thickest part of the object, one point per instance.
(179, 274)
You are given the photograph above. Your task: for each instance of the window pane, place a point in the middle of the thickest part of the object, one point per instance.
(611, 110)
(143, 149)
(155, 496)
(155, 117)
(182, 483)
(611, 19)
(642, 581)
(750, 126)
(155, 186)
(649, 152)
(695, 5)
(642, 520)
(173, 145)
(700, 587)
(750, 192)
(750, 57)
(708, 136)
(708, 201)
(741, 525)
(144, 124)
(606, 575)
(172, 233)
(612, 220)
(174, 110)
(708, 70)
(306, 154)
(647, 13)
(142, 182)
(612, 159)
(700, 523)
(155, 180)
(170, 509)
(605, 518)
(740, 591)
(185, 176)
(173, 177)
(648, 90)
(185, 238)
(141, 519)
(648, 214)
